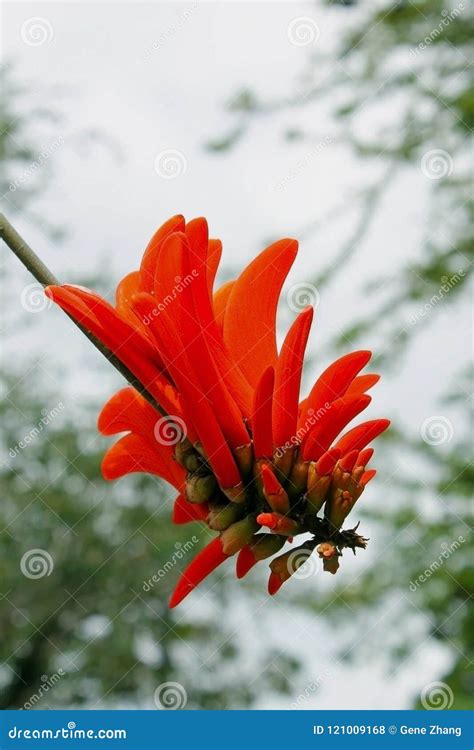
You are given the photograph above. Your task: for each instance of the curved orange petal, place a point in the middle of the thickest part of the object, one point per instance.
(213, 259)
(220, 300)
(250, 319)
(150, 260)
(362, 383)
(362, 435)
(207, 560)
(334, 381)
(334, 419)
(288, 379)
(134, 453)
(262, 415)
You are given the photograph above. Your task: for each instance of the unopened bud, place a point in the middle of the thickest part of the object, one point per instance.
(239, 534)
(199, 489)
(222, 516)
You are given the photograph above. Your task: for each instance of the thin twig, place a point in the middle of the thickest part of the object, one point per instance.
(37, 268)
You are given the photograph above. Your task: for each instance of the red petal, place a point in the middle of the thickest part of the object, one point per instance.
(327, 462)
(262, 415)
(185, 512)
(249, 324)
(348, 461)
(365, 456)
(274, 583)
(134, 453)
(341, 412)
(245, 561)
(220, 300)
(270, 483)
(362, 435)
(207, 560)
(367, 476)
(362, 383)
(213, 259)
(288, 379)
(335, 380)
(150, 260)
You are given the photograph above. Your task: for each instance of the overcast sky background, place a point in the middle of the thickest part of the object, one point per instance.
(154, 77)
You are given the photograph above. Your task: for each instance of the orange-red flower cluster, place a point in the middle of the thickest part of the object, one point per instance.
(244, 453)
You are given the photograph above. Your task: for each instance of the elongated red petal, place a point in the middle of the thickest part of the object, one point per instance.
(367, 476)
(347, 462)
(133, 453)
(207, 560)
(127, 410)
(362, 435)
(274, 583)
(262, 415)
(220, 300)
(185, 512)
(270, 483)
(335, 380)
(195, 402)
(364, 457)
(327, 462)
(150, 260)
(245, 561)
(288, 379)
(213, 259)
(249, 324)
(362, 383)
(341, 412)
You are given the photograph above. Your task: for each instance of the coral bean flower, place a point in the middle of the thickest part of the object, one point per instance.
(247, 457)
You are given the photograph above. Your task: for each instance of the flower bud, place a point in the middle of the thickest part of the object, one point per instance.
(239, 534)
